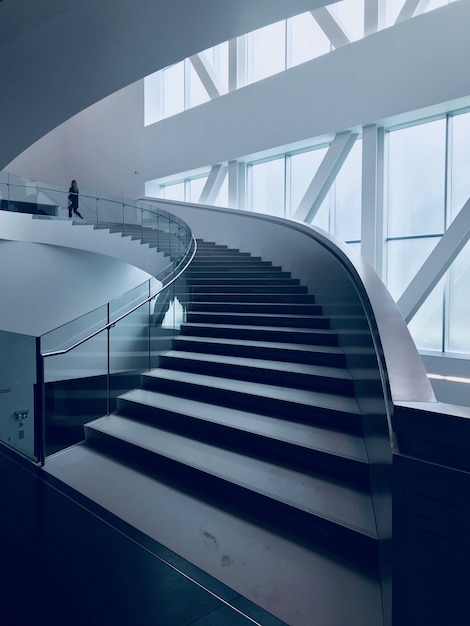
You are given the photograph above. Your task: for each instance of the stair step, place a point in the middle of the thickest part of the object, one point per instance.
(234, 296)
(301, 441)
(293, 352)
(256, 288)
(304, 502)
(306, 447)
(203, 533)
(221, 275)
(242, 281)
(256, 307)
(312, 407)
(258, 319)
(296, 375)
(262, 333)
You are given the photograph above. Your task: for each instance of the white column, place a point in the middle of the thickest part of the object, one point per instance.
(372, 214)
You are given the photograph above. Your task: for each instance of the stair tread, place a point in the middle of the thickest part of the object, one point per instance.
(300, 396)
(303, 347)
(336, 502)
(308, 436)
(299, 368)
(282, 329)
(257, 554)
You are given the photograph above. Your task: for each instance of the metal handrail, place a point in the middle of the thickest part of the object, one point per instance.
(124, 315)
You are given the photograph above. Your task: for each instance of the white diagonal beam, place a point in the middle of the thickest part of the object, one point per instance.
(326, 173)
(330, 27)
(206, 75)
(213, 184)
(410, 8)
(372, 16)
(436, 265)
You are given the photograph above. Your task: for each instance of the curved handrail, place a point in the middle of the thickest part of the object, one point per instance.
(124, 315)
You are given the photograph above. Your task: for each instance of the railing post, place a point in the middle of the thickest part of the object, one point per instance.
(108, 374)
(40, 408)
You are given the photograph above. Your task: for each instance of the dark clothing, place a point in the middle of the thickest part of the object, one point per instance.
(73, 202)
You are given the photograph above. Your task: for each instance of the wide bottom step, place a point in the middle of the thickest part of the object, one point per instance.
(298, 584)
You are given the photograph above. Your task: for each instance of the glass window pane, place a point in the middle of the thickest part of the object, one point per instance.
(426, 326)
(152, 93)
(195, 187)
(197, 91)
(416, 180)
(222, 196)
(303, 166)
(218, 60)
(460, 168)
(348, 192)
(173, 192)
(459, 303)
(266, 51)
(308, 41)
(267, 187)
(173, 89)
(350, 16)
(404, 258)
(322, 218)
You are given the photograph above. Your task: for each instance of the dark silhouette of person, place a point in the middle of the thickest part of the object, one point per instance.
(73, 199)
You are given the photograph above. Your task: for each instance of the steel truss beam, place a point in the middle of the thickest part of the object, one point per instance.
(330, 27)
(323, 179)
(206, 74)
(213, 184)
(436, 265)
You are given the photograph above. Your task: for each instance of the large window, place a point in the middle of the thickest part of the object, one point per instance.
(428, 184)
(267, 185)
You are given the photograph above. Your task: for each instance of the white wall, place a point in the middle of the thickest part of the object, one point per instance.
(48, 286)
(418, 66)
(17, 379)
(59, 57)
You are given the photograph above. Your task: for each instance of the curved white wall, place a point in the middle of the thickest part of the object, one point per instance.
(61, 56)
(417, 67)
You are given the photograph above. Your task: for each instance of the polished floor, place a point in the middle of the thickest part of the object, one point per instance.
(63, 564)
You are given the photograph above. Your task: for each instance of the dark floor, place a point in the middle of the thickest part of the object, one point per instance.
(63, 564)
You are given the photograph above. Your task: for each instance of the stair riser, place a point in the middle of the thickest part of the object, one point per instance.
(242, 282)
(344, 541)
(196, 317)
(261, 334)
(265, 309)
(218, 276)
(255, 298)
(257, 375)
(271, 353)
(283, 408)
(279, 290)
(272, 450)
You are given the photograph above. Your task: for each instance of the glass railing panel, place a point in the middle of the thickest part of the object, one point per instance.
(76, 392)
(109, 212)
(75, 331)
(56, 196)
(19, 396)
(128, 353)
(120, 306)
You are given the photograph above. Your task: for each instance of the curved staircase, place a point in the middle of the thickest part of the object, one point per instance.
(244, 451)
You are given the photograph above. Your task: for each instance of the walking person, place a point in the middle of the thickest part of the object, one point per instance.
(73, 199)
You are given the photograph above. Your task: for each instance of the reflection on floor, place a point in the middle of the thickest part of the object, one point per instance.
(63, 564)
